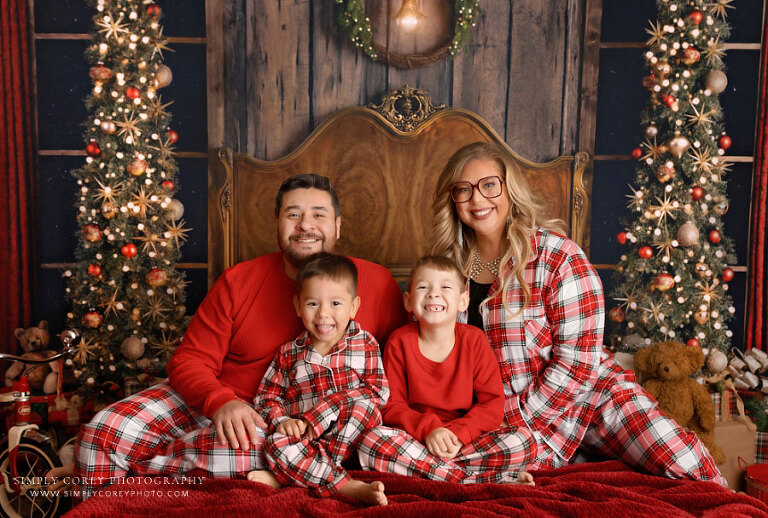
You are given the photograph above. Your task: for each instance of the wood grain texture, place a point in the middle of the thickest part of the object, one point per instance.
(278, 70)
(480, 73)
(536, 74)
(385, 180)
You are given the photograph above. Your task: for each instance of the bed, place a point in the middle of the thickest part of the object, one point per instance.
(384, 160)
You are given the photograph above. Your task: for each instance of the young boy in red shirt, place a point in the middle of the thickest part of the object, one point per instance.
(446, 400)
(323, 389)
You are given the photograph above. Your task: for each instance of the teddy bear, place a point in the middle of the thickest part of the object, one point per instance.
(666, 369)
(34, 342)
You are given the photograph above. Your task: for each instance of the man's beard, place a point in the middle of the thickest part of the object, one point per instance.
(296, 259)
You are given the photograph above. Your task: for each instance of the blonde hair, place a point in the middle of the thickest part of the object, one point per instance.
(523, 218)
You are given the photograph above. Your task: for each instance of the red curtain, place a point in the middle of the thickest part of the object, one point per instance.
(757, 289)
(16, 173)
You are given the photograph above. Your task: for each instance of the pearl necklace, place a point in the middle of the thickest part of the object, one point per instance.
(478, 266)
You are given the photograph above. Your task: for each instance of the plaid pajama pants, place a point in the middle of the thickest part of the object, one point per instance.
(627, 425)
(316, 463)
(493, 457)
(154, 432)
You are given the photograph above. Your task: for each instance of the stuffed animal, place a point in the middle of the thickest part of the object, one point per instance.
(34, 342)
(667, 367)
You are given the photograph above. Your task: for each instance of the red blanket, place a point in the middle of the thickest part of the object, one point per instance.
(589, 490)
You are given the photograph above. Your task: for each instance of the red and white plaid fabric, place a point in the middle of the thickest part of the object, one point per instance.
(337, 394)
(493, 457)
(154, 432)
(561, 383)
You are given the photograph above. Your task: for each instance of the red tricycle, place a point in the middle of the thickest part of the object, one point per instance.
(26, 452)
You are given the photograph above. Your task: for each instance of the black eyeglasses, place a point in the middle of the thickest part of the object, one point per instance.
(488, 187)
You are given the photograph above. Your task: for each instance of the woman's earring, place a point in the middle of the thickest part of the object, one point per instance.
(460, 237)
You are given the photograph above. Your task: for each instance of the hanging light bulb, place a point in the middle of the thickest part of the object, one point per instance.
(408, 16)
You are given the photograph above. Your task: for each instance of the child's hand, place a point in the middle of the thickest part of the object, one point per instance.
(441, 442)
(294, 427)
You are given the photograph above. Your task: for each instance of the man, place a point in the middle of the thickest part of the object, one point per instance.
(204, 418)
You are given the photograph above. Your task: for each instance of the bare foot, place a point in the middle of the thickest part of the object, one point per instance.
(264, 477)
(525, 479)
(370, 494)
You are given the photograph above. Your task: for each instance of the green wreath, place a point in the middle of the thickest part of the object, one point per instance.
(357, 26)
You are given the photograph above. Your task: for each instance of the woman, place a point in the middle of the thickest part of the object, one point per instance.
(544, 318)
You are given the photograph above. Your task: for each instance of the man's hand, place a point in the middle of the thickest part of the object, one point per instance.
(441, 442)
(294, 427)
(236, 423)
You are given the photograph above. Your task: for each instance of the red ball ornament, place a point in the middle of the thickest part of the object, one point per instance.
(94, 269)
(93, 149)
(696, 193)
(645, 252)
(168, 184)
(154, 10)
(715, 236)
(637, 153)
(668, 100)
(137, 167)
(724, 142)
(696, 16)
(617, 314)
(132, 92)
(727, 275)
(157, 277)
(173, 137)
(692, 342)
(129, 250)
(621, 237)
(92, 319)
(662, 282)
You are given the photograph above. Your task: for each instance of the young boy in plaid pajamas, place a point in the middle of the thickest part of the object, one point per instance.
(323, 389)
(447, 398)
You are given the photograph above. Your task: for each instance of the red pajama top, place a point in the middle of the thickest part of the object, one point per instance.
(464, 393)
(248, 315)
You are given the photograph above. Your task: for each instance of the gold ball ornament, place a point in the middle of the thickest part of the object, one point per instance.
(701, 269)
(108, 127)
(157, 277)
(137, 167)
(617, 314)
(701, 316)
(662, 282)
(163, 76)
(99, 73)
(721, 205)
(181, 309)
(716, 81)
(109, 211)
(91, 233)
(92, 319)
(679, 145)
(690, 56)
(135, 314)
(175, 209)
(132, 348)
(688, 234)
(651, 131)
(665, 172)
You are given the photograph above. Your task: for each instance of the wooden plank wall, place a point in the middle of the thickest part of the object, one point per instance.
(283, 70)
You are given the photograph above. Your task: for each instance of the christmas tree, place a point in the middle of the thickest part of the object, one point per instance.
(672, 282)
(127, 296)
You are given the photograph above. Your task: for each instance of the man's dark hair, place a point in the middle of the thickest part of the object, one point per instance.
(326, 264)
(307, 181)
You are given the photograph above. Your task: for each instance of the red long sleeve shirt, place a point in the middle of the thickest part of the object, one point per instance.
(464, 393)
(248, 315)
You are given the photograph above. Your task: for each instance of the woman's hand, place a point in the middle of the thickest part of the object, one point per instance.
(441, 442)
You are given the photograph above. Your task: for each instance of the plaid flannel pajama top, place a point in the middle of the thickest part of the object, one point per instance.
(564, 386)
(338, 395)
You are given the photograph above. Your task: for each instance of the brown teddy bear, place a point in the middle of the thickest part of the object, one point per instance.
(666, 369)
(34, 342)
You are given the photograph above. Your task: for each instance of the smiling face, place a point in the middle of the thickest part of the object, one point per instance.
(326, 306)
(306, 224)
(486, 216)
(436, 296)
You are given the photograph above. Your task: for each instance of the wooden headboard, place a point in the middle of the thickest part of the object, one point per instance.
(384, 161)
